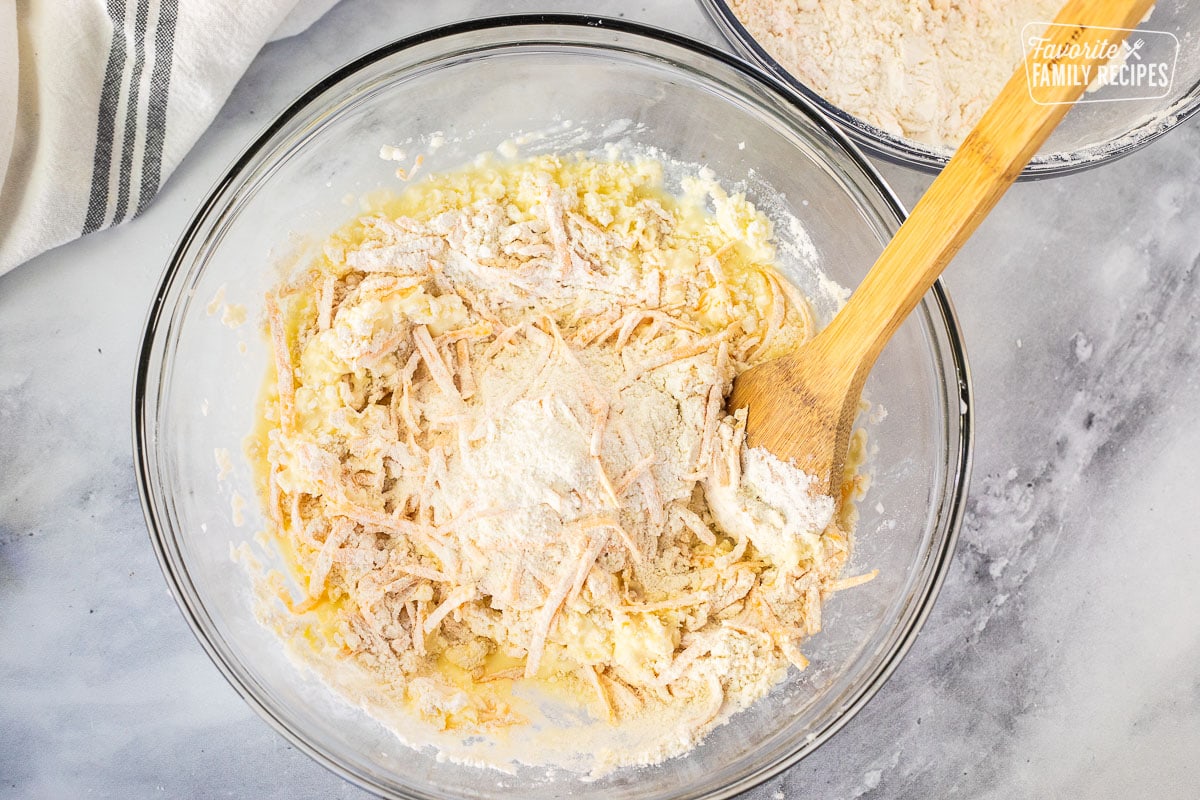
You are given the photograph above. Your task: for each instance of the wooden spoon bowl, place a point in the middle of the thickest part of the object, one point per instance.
(802, 406)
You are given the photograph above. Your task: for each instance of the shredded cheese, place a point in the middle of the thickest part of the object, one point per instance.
(496, 431)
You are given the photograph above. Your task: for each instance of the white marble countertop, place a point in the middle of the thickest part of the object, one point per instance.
(1062, 658)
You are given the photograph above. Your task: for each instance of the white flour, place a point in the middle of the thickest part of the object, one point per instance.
(525, 528)
(920, 69)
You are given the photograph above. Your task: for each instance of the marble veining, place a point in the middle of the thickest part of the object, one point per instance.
(1062, 659)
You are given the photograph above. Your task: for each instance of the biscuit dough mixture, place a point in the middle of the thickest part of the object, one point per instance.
(920, 69)
(497, 458)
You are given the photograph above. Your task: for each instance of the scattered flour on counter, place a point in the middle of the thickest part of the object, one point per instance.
(1083, 347)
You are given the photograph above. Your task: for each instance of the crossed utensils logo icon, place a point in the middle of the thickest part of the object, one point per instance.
(1131, 51)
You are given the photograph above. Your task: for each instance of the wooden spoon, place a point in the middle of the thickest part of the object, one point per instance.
(801, 407)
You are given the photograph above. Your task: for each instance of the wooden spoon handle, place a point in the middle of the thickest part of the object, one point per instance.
(987, 162)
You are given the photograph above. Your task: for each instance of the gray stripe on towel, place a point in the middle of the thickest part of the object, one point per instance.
(110, 95)
(131, 110)
(156, 113)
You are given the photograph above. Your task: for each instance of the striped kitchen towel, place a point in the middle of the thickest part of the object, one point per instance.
(101, 99)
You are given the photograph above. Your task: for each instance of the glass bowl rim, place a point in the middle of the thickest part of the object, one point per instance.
(157, 325)
(909, 152)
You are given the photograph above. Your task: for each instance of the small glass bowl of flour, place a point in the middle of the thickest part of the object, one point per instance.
(907, 80)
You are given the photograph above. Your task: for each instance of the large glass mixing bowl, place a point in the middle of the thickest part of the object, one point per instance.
(1094, 132)
(561, 84)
